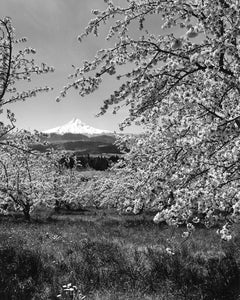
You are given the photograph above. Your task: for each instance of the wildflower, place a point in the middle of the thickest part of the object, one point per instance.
(227, 238)
(190, 227)
(128, 209)
(170, 251)
(186, 234)
(196, 220)
(225, 233)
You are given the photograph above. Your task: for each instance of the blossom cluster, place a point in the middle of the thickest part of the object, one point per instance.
(25, 174)
(182, 84)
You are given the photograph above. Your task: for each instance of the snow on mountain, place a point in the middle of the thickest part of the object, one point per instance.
(76, 126)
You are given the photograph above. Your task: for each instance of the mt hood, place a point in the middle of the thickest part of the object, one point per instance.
(76, 126)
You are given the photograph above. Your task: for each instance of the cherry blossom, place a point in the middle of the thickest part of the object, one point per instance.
(25, 174)
(182, 83)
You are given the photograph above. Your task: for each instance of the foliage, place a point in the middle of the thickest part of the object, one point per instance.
(68, 190)
(27, 177)
(75, 190)
(23, 172)
(22, 273)
(32, 182)
(182, 82)
(99, 163)
(113, 190)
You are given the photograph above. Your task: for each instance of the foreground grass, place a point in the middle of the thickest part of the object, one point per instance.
(112, 257)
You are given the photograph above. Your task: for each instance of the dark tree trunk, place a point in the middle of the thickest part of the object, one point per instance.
(26, 212)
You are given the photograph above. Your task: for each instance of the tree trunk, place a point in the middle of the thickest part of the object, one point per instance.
(26, 212)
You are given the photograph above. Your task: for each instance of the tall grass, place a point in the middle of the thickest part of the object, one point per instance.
(115, 258)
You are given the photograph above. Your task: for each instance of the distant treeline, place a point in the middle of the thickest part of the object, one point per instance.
(99, 163)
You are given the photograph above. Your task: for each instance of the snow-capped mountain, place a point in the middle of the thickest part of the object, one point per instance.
(76, 126)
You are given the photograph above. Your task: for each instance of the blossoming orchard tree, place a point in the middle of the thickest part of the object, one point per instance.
(23, 173)
(184, 80)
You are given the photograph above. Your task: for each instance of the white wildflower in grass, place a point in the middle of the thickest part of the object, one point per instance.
(225, 233)
(186, 234)
(196, 220)
(227, 238)
(190, 227)
(128, 210)
(70, 291)
(170, 251)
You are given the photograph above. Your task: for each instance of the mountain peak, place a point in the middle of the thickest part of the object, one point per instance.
(76, 120)
(76, 126)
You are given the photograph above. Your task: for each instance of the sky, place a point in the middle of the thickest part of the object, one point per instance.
(52, 28)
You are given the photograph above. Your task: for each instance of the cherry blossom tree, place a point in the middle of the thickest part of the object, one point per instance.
(182, 82)
(23, 173)
(16, 65)
(27, 177)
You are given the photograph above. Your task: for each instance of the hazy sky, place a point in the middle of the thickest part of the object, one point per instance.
(52, 27)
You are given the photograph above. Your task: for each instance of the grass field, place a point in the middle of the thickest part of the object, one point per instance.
(107, 256)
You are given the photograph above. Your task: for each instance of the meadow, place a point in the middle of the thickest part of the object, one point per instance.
(100, 255)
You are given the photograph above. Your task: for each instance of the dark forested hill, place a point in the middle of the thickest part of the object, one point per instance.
(96, 144)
